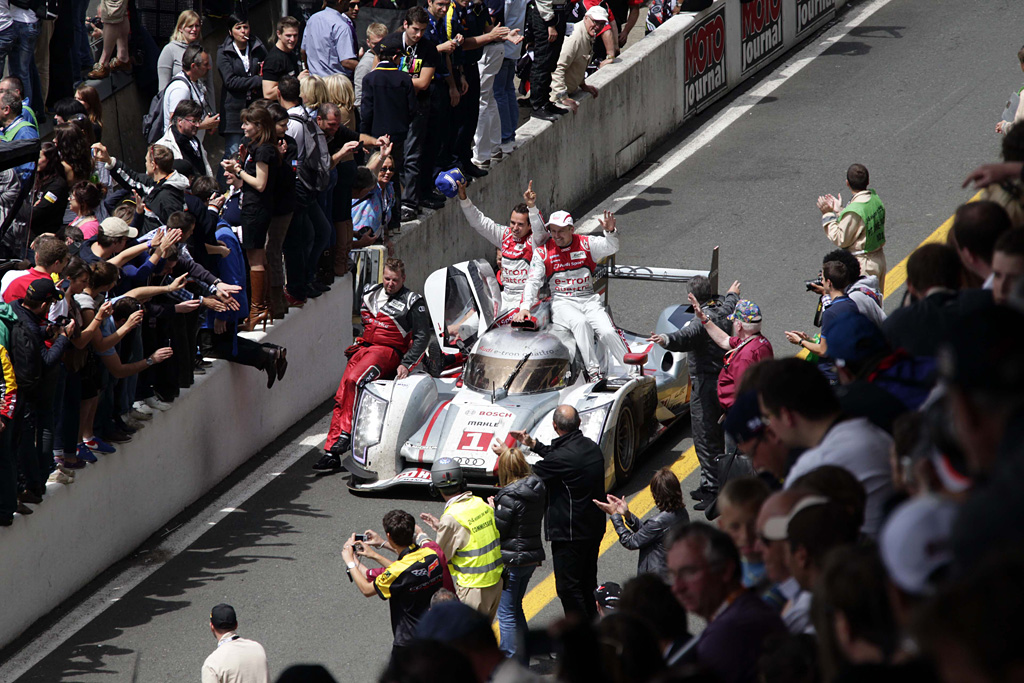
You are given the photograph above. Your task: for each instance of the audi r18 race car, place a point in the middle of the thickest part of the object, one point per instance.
(487, 377)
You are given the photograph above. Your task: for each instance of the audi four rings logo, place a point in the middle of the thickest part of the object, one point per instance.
(470, 462)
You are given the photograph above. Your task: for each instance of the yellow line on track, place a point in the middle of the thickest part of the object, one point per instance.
(541, 595)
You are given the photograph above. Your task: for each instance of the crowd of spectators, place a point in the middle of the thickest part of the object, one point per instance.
(255, 187)
(864, 495)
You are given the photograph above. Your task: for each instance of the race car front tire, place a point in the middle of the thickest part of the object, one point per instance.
(626, 443)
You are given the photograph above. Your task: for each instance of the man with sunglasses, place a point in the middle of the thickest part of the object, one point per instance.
(182, 139)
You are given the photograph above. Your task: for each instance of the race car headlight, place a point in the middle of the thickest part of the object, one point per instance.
(592, 422)
(369, 421)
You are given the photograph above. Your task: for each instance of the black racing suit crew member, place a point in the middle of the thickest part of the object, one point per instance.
(704, 358)
(396, 331)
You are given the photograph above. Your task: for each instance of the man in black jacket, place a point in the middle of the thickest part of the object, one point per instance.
(388, 108)
(704, 358)
(572, 468)
(162, 188)
(33, 363)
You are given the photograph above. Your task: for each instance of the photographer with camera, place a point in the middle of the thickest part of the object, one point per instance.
(35, 367)
(835, 281)
(407, 582)
(863, 290)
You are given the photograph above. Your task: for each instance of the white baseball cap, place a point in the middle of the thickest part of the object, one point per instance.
(112, 226)
(561, 218)
(777, 528)
(597, 13)
(914, 542)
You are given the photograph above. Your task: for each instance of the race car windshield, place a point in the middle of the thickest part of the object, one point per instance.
(542, 374)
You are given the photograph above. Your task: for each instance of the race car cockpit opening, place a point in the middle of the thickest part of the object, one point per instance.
(461, 319)
(500, 356)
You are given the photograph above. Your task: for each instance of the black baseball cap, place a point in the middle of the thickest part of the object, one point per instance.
(607, 595)
(43, 290)
(743, 422)
(222, 617)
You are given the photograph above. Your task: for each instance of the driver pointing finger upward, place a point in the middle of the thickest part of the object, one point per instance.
(567, 263)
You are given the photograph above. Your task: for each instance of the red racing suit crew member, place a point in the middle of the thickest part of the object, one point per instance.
(567, 263)
(525, 231)
(396, 330)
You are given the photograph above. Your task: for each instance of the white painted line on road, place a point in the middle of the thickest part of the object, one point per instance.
(730, 114)
(172, 546)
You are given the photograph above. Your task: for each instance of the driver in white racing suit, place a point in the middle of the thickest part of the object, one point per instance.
(516, 241)
(567, 263)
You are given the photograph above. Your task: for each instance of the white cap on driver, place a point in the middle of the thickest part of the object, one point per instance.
(561, 218)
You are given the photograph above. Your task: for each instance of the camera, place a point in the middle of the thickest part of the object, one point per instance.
(61, 321)
(360, 537)
(811, 284)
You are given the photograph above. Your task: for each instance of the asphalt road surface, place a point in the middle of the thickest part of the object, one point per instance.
(913, 92)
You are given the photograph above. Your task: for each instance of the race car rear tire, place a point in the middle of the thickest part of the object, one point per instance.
(626, 443)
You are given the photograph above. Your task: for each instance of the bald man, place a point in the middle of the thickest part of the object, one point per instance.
(572, 468)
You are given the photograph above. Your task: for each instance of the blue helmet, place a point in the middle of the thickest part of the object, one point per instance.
(446, 182)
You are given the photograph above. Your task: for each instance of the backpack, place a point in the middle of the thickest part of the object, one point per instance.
(314, 161)
(153, 124)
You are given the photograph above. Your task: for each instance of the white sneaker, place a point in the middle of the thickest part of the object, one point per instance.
(508, 147)
(156, 404)
(131, 421)
(485, 165)
(59, 477)
(139, 408)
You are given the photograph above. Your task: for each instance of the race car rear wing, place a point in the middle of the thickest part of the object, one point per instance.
(651, 274)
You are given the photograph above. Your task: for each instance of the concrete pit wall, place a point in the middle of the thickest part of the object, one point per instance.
(115, 505)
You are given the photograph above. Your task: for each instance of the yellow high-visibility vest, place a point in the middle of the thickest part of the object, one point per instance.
(478, 563)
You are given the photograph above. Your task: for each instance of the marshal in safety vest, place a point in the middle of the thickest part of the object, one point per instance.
(478, 563)
(873, 214)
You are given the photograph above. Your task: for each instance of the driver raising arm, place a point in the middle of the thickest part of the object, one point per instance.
(516, 242)
(567, 263)
(396, 329)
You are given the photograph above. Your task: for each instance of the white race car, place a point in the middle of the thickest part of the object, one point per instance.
(487, 377)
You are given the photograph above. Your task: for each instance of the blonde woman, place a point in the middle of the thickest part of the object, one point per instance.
(518, 511)
(188, 30)
(341, 92)
(313, 93)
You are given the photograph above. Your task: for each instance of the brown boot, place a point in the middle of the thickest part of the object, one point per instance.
(278, 306)
(258, 310)
(343, 230)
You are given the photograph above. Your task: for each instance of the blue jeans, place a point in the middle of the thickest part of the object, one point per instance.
(505, 96)
(511, 620)
(81, 50)
(23, 56)
(6, 44)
